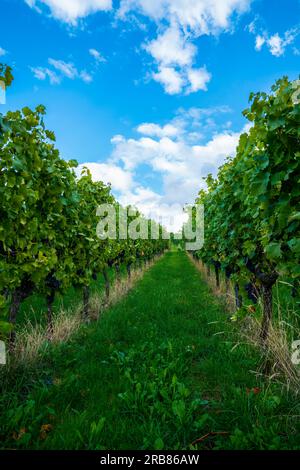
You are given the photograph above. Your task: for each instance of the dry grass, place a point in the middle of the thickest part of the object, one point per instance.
(28, 343)
(32, 339)
(277, 353)
(225, 293)
(276, 358)
(64, 325)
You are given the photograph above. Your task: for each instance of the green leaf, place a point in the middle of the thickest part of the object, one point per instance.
(294, 245)
(50, 135)
(159, 444)
(276, 123)
(178, 407)
(260, 184)
(5, 328)
(273, 250)
(294, 216)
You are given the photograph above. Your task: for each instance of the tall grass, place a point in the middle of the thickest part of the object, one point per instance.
(276, 360)
(32, 337)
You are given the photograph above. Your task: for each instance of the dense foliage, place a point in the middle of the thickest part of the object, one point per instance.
(252, 208)
(48, 238)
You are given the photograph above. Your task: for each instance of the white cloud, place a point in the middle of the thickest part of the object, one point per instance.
(121, 180)
(2, 51)
(152, 206)
(172, 48)
(252, 26)
(176, 153)
(128, 192)
(176, 158)
(188, 124)
(198, 78)
(197, 114)
(174, 55)
(41, 73)
(296, 51)
(154, 130)
(189, 80)
(70, 11)
(144, 198)
(181, 166)
(86, 76)
(180, 163)
(173, 156)
(276, 44)
(97, 55)
(259, 42)
(61, 69)
(66, 68)
(179, 23)
(200, 17)
(171, 79)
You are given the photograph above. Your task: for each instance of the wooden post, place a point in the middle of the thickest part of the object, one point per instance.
(107, 284)
(86, 302)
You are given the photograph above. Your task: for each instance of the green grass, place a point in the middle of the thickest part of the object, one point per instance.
(157, 371)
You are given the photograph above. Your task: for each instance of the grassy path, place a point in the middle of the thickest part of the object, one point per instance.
(159, 370)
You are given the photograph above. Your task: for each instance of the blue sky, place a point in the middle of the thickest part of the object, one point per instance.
(147, 93)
